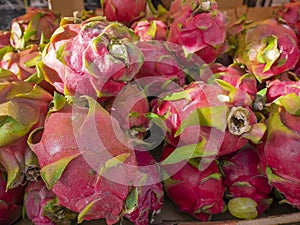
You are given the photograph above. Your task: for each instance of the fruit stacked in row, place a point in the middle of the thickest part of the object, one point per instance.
(101, 118)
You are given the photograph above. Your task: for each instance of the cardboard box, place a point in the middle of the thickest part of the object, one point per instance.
(66, 7)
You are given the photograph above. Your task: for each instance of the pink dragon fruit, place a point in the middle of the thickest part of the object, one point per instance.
(34, 27)
(90, 178)
(150, 29)
(130, 108)
(93, 58)
(241, 85)
(279, 151)
(127, 13)
(11, 202)
(278, 88)
(16, 61)
(289, 13)
(194, 191)
(267, 48)
(243, 180)
(39, 203)
(150, 194)
(23, 108)
(199, 124)
(24, 65)
(4, 38)
(161, 64)
(199, 22)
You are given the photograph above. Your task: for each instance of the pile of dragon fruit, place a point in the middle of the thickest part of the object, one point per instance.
(109, 116)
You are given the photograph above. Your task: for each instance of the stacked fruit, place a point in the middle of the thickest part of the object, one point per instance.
(104, 117)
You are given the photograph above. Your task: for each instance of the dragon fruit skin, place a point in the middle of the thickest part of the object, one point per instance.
(126, 13)
(150, 29)
(268, 48)
(198, 28)
(36, 197)
(4, 38)
(34, 25)
(24, 107)
(151, 195)
(17, 63)
(242, 178)
(130, 108)
(221, 131)
(11, 202)
(289, 13)
(161, 64)
(282, 157)
(76, 158)
(97, 43)
(234, 75)
(277, 88)
(279, 158)
(195, 192)
(37, 202)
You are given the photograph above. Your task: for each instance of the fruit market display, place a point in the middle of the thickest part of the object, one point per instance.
(106, 117)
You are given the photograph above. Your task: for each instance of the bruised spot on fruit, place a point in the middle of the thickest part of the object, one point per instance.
(238, 121)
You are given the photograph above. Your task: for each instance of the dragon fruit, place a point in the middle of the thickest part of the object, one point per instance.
(194, 191)
(89, 177)
(279, 158)
(39, 203)
(24, 64)
(11, 202)
(278, 88)
(126, 13)
(4, 38)
(241, 85)
(199, 124)
(199, 22)
(130, 108)
(34, 27)
(92, 58)
(243, 180)
(267, 48)
(161, 64)
(150, 29)
(16, 62)
(289, 13)
(150, 193)
(23, 108)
